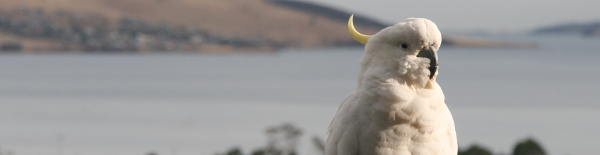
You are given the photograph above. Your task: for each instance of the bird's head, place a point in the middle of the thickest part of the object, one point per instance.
(412, 37)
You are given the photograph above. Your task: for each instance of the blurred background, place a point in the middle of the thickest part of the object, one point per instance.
(208, 77)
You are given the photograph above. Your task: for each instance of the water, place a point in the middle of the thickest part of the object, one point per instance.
(184, 104)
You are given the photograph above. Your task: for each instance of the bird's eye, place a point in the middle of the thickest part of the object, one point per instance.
(404, 45)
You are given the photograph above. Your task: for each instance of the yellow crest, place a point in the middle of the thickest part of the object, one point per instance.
(357, 35)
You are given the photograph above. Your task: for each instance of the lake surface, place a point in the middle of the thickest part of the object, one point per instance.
(190, 104)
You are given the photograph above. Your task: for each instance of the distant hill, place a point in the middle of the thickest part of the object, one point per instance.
(146, 25)
(586, 29)
(329, 12)
(181, 25)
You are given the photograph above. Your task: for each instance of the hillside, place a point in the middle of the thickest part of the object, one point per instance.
(184, 25)
(195, 25)
(586, 29)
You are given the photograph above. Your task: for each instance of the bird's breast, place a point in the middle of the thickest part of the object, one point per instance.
(410, 127)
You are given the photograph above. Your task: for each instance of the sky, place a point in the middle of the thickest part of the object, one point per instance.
(476, 15)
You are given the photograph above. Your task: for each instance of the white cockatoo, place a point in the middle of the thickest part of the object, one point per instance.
(398, 108)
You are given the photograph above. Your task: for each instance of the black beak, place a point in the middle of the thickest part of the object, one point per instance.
(430, 53)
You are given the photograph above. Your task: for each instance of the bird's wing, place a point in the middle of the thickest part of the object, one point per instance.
(342, 138)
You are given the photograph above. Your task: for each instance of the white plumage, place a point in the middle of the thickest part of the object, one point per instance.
(398, 107)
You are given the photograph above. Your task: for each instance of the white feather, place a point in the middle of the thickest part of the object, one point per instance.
(396, 109)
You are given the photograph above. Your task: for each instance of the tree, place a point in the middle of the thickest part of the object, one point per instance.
(475, 150)
(319, 144)
(281, 140)
(235, 151)
(528, 147)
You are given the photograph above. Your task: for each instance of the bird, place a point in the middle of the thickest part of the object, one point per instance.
(398, 108)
